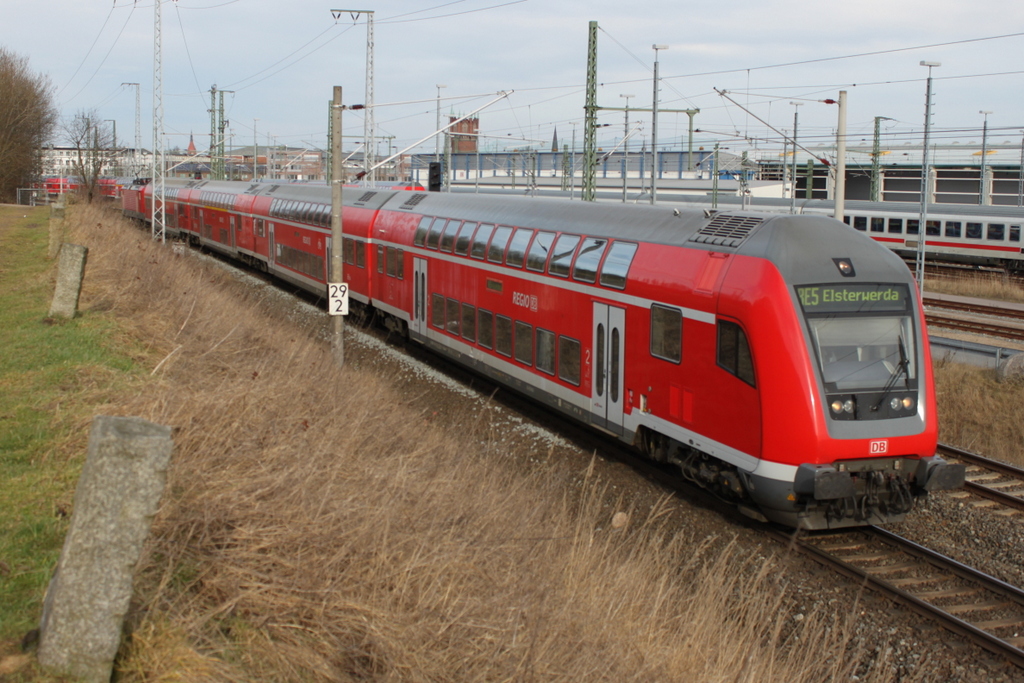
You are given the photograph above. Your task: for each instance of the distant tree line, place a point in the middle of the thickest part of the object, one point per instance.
(28, 118)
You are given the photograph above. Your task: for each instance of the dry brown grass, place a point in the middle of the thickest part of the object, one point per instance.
(995, 286)
(318, 528)
(979, 413)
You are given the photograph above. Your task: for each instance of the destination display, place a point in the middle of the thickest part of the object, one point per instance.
(853, 298)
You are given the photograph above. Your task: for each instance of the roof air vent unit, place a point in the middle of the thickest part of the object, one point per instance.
(727, 230)
(413, 201)
(367, 196)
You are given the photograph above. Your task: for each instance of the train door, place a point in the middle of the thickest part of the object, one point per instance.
(419, 307)
(270, 243)
(609, 350)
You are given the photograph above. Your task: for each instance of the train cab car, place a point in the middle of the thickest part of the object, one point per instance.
(780, 361)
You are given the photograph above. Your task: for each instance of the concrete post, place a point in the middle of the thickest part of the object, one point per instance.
(115, 501)
(70, 270)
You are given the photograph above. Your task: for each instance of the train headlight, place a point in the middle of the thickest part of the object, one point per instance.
(849, 405)
(895, 404)
(837, 406)
(908, 402)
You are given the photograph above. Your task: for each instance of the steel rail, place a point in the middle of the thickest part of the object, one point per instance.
(1001, 468)
(1010, 649)
(975, 326)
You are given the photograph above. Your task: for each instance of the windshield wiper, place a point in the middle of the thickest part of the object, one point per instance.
(901, 368)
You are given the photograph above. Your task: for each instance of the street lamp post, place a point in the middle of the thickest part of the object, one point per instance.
(255, 151)
(925, 179)
(625, 147)
(437, 136)
(113, 144)
(654, 127)
(792, 175)
(982, 194)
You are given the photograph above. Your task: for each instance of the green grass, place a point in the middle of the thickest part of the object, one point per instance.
(51, 375)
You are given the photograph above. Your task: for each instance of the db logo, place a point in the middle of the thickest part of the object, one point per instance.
(879, 447)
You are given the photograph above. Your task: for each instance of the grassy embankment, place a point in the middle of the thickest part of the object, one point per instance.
(293, 545)
(977, 412)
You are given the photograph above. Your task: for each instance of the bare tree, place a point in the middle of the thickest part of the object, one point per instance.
(93, 143)
(27, 120)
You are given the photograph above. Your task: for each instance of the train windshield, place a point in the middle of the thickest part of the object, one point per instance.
(863, 335)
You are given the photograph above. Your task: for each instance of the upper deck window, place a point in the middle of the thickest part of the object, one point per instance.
(562, 254)
(616, 264)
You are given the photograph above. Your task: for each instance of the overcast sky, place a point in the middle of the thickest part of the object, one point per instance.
(282, 58)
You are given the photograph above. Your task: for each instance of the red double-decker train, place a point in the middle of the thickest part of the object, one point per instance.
(780, 361)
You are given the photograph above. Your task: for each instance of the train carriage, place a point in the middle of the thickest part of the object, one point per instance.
(780, 361)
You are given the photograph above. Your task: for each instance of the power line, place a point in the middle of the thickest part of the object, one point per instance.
(104, 60)
(89, 51)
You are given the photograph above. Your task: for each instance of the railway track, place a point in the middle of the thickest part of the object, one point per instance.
(987, 611)
(995, 481)
(989, 318)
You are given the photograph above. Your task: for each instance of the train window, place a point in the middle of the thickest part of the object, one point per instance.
(496, 252)
(485, 328)
(996, 231)
(953, 228)
(734, 351)
(480, 240)
(420, 236)
(468, 322)
(896, 225)
(437, 312)
(569, 360)
(360, 255)
(616, 265)
(524, 343)
(1015, 233)
(877, 224)
(401, 263)
(453, 315)
(561, 255)
(503, 335)
(613, 392)
(585, 269)
(260, 229)
(448, 237)
(667, 333)
(860, 222)
(462, 242)
(546, 351)
(392, 262)
(974, 231)
(538, 254)
(517, 247)
(327, 214)
(348, 251)
(932, 228)
(913, 226)
(846, 219)
(434, 236)
(380, 258)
